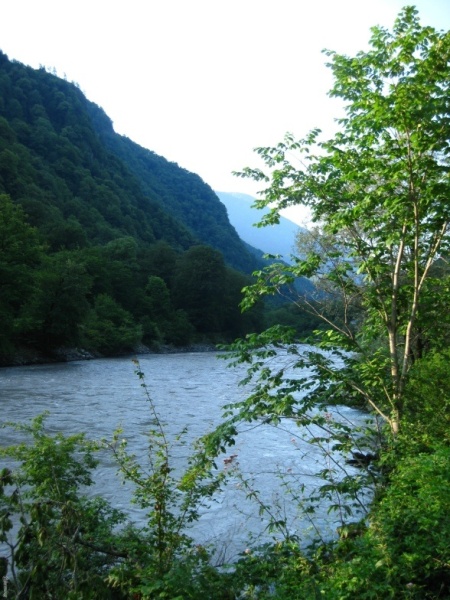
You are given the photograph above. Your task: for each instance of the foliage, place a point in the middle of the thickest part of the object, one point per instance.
(109, 328)
(64, 541)
(20, 253)
(427, 405)
(163, 560)
(199, 287)
(290, 315)
(85, 196)
(400, 551)
(202, 215)
(54, 311)
(379, 192)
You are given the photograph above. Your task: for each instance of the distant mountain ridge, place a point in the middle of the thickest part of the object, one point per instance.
(276, 239)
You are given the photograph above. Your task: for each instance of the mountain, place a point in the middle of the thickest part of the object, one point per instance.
(62, 160)
(105, 244)
(275, 239)
(182, 194)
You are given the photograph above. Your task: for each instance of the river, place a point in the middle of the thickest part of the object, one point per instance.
(188, 391)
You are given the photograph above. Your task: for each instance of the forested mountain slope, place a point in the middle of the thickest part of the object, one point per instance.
(78, 180)
(104, 244)
(181, 193)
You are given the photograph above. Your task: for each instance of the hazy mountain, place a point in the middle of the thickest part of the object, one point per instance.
(275, 239)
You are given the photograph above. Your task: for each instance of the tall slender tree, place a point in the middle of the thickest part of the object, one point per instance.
(378, 192)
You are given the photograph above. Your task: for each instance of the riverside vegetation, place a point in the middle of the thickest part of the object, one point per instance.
(378, 193)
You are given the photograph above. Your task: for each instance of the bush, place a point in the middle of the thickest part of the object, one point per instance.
(427, 405)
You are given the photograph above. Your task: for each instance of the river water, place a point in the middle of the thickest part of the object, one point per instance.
(188, 391)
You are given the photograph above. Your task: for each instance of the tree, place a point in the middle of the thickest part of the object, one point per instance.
(158, 303)
(52, 316)
(199, 287)
(159, 259)
(20, 253)
(156, 310)
(109, 328)
(378, 191)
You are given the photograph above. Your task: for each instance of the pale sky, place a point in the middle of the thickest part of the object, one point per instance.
(202, 82)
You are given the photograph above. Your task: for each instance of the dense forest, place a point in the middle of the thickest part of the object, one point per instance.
(105, 244)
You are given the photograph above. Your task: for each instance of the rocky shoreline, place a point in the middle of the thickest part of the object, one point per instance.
(27, 356)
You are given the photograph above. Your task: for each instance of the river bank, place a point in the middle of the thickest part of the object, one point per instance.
(30, 356)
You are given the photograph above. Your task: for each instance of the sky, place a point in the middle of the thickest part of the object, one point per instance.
(203, 82)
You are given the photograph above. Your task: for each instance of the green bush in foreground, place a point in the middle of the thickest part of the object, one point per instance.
(61, 544)
(403, 551)
(65, 542)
